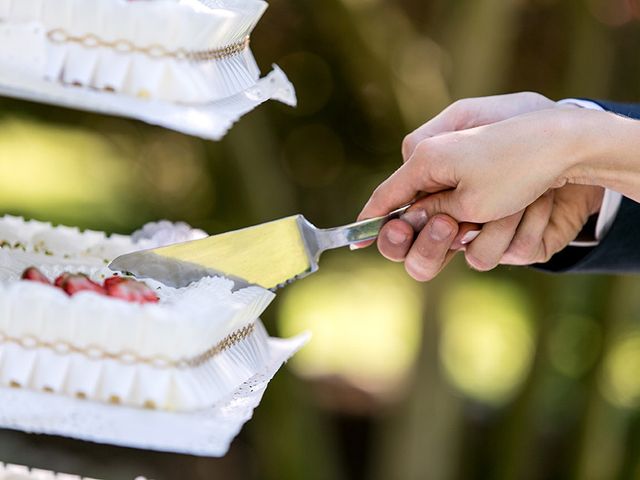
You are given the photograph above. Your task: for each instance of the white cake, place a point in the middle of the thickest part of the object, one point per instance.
(185, 352)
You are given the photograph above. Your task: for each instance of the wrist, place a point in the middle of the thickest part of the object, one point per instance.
(599, 145)
(573, 127)
(614, 161)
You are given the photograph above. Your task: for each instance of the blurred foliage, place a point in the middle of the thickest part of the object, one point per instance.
(511, 374)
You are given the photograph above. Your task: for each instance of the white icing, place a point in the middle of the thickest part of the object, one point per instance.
(166, 233)
(185, 323)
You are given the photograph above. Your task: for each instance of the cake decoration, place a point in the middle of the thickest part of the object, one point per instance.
(120, 287)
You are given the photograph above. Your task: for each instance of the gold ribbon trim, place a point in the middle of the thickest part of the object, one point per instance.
(132, 358)
(90, 40)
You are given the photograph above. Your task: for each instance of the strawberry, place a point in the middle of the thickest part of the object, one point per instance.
(77, 282)
(130, 290)
(35, 275)
(60, 279)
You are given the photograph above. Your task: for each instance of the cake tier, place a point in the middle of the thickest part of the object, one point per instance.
(183, 51)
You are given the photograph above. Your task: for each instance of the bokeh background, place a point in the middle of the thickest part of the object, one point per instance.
(507, 375)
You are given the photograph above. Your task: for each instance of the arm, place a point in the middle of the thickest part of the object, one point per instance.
(618, 250)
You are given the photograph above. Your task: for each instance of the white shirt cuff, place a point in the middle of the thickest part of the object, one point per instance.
(611, 200)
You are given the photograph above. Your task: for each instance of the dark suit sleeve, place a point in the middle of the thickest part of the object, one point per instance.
(619, 250)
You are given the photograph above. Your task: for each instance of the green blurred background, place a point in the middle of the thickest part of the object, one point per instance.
(506, 375)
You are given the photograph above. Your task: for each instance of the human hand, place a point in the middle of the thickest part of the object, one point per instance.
(460, 115)
(476, 112)
(434, 250)
(547, 226)
(469, 113)
(490, 172)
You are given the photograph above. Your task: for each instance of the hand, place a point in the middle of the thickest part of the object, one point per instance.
(464, 114)
(475, 112)
(547, 227)
(490, 172)
(425, 263)
(533, 236)
(470, 113)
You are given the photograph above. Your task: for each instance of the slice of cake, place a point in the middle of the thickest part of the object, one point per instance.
(70, 326)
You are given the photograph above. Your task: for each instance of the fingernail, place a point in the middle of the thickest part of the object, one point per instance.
(396, 237)
(469, 237)
(440, 230)
(416, 218)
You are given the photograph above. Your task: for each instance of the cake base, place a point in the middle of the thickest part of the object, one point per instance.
(206, 432)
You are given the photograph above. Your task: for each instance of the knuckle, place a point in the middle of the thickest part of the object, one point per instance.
(523, 248)
(534, 96)
(458, 106)
(424, 252)
(379, 194)
(409, 144)
(423, 148)
(418, 270)
(422, 262)
(469, 206)
(480, 262)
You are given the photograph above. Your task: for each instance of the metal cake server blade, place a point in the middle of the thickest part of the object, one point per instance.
(271, 255)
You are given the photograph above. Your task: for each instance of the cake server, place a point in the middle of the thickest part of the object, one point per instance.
(271, 255)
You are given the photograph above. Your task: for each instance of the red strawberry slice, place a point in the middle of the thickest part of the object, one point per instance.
(35, 275)
(60, 279)
(77, 282)
(130, 290)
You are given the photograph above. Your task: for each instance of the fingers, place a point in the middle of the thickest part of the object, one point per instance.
(391, 234)
(454, 203)
(397, 190)
(572, 206)
(445, 121)
(527, 245)
(431, 252)
(395, 240)
(486, 251)
(467, 233)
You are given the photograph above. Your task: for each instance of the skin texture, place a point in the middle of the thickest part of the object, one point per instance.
(520, 169)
